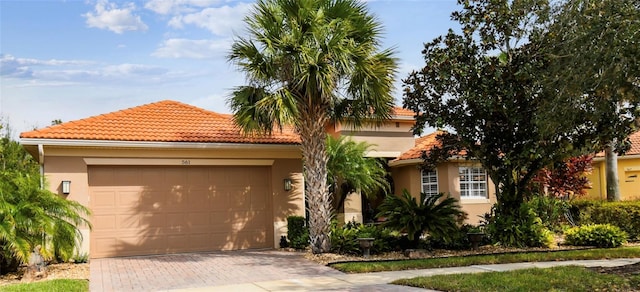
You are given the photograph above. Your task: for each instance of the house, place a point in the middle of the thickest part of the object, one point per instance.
(628, 173)
(168, 177)
(462, 178)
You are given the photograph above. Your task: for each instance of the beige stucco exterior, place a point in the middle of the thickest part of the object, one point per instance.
(407, 175)
(73, 163)
(390, 139)
(628, 178)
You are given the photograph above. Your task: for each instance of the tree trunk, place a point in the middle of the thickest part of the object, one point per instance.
(611, 173)
(313, 136)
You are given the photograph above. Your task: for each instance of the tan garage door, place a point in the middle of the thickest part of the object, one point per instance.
(141, 210)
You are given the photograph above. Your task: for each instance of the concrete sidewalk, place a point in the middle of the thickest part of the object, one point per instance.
(379, 281)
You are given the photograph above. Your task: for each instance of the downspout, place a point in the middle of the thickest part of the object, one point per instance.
(41, 162)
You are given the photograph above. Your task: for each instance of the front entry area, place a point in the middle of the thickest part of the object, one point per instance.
(143, 210)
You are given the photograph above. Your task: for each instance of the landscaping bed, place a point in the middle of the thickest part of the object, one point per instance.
(54, 271)
(330, 258)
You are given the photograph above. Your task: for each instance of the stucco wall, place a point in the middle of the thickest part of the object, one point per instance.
(628, 179)
(286, 203)
(409, 177)
(58, 169)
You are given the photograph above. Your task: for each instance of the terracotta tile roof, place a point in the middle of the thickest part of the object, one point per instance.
(164, 121)
(635, 144)
(422, 144)
(403, 112)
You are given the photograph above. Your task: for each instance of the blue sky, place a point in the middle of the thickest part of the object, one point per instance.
(73, 59)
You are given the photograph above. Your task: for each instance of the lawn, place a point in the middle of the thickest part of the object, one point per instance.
(58, 285)
(459, 261)
(568, 278)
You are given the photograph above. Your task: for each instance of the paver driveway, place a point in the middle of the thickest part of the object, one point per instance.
(193, 270)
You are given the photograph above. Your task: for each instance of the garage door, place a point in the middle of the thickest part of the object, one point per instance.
(140, 210)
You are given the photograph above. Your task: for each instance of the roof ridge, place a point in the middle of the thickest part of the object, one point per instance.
(161, 121)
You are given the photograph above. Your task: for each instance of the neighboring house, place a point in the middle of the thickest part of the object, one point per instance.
(168, 177)
(628, 173)
(463, 179)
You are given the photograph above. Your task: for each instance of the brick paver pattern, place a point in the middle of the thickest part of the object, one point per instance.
(192, 270)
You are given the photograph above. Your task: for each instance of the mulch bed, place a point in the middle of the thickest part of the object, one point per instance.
(54, 271)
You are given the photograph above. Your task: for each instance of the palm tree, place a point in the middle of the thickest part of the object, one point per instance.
(349, 170)
(308, 63)
(431, 214)
(31, 216)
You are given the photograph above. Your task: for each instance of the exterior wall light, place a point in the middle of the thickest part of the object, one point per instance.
(66, 187)
(287, 184)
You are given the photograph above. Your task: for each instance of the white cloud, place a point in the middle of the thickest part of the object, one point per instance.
(178, 6)
(221, 21)
(23, 67)
(26, 72)
(134, 69)
(109, 16)
(194, 49)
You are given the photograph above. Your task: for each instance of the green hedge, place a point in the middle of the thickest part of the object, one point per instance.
(625, 215)
(599, 235)
(297, 232)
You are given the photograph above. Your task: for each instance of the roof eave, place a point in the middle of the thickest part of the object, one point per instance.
(622, 157)
(412, 161)
(153, 144)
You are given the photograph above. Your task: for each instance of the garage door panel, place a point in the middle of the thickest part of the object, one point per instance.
(104, 222)
(258, 201)
(152, 210)
(103, 199)
(129, 200)
(127, 177)
(198, 199)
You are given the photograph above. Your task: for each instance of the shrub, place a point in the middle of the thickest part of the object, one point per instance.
(625, 215)
(600, 235)
(458, 239)
(297, 232)
(344, 238)
(522, 229)
(550, 210)
(437, 215)
(81, 258)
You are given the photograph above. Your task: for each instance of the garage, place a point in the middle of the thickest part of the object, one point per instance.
(140, 210)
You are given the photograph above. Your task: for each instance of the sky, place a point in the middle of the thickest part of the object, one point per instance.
(69, 59)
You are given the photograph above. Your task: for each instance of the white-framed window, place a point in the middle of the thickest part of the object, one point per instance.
(473, 182)
(430, 182)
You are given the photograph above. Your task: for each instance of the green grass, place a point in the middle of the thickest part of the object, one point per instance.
(568, 278)
(58, 285)
(588, 254)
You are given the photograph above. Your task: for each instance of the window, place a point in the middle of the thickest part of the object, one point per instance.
(473, 182)
(430, 182)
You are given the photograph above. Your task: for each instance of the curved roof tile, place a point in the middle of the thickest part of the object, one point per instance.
(163, 121)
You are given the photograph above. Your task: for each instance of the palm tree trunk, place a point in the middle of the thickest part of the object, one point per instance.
(313, 136)
(611, 173)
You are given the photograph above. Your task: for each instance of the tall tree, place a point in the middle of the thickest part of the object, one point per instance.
(594, 47)
(484, 85)
(349, 170)
(309, 62)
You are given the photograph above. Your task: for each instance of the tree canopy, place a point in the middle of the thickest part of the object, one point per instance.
(490, 85)
(307, 63)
